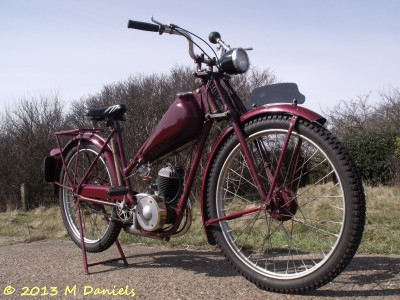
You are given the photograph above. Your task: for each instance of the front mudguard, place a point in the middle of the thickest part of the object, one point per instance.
(53, 163)
(278, 109)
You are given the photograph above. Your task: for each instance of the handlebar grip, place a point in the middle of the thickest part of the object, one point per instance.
(143, 26)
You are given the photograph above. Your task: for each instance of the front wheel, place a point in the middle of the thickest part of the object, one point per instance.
(315, 221)
(100, 227)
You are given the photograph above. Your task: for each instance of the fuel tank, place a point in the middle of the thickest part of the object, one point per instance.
(181, 124)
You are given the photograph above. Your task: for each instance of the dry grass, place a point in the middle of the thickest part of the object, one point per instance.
(381, 236)
(382, 230)
(40, 223)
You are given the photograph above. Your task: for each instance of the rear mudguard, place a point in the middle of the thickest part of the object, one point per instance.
(53, 163)
(286, 109)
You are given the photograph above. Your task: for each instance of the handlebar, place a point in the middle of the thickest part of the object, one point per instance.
(171, 29)
(143, 26)
(227, 60)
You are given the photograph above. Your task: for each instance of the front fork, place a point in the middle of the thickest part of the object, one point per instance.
(267, 199)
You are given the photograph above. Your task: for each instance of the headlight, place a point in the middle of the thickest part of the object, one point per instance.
(235, 61)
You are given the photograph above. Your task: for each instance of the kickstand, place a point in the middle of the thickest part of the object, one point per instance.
(84, 256)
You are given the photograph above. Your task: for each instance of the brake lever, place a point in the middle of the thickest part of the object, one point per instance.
(175, 29)
(156, 22)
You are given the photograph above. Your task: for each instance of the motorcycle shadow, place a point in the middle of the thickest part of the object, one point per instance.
(366, 276)
(209, 263)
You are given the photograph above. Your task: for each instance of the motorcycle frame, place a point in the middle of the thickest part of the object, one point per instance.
(112, 148)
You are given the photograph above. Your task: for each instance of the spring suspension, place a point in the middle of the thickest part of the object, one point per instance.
(217, 97)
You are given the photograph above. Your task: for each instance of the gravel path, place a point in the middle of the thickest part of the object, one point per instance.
(55, 267)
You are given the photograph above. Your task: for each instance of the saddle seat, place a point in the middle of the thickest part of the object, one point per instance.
(110, 113)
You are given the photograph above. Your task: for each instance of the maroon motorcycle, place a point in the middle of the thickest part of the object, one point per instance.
(279, 193)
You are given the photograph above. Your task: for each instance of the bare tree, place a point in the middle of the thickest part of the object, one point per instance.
(27, 135)
(388, 113)
(351, 117)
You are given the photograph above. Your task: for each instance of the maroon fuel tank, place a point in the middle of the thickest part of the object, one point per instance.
(182, 123)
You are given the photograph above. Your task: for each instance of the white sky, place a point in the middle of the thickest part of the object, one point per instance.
(334, 50)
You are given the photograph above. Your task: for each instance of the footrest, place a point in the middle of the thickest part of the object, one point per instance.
(117, 191)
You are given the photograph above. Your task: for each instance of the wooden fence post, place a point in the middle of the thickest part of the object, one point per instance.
(25, 196)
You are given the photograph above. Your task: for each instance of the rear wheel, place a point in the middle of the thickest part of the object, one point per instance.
(314, 224)
(100, 230)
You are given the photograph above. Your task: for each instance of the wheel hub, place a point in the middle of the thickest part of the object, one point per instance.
(283, 205)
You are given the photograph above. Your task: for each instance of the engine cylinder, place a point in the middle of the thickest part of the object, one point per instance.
(169, 183)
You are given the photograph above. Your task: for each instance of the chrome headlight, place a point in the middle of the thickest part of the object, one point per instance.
(235, 61)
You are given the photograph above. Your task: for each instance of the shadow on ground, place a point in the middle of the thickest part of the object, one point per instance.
(366, 276)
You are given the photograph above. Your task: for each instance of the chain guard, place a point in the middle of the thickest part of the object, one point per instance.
(125, 215)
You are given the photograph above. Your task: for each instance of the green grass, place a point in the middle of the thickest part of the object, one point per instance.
(381, 235)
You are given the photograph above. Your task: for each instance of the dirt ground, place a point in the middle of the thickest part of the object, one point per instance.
(53, 269)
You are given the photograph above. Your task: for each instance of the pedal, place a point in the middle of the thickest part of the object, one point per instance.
(117, 191)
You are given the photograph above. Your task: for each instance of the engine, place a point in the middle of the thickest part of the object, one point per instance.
(154, 211)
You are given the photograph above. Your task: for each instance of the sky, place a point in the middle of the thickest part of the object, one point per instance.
(334, 50)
